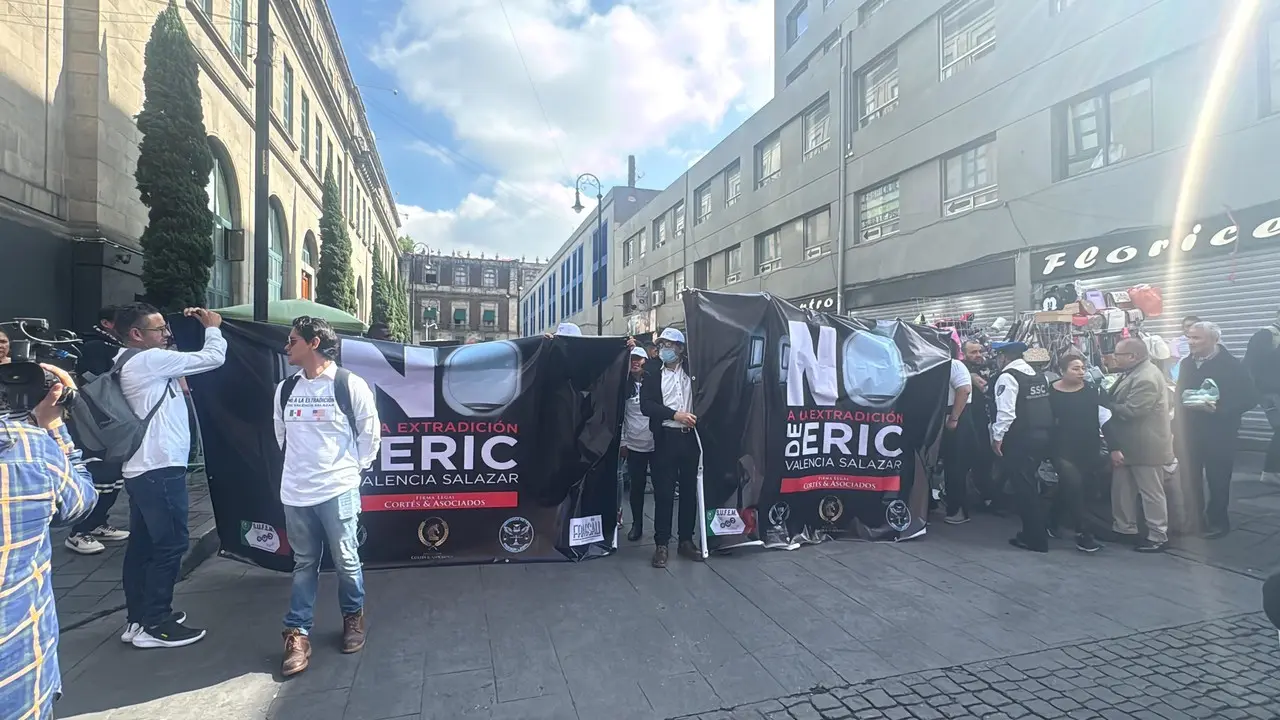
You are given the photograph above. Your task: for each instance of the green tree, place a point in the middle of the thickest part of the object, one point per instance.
(383, 306)
(406, 244)
(335, 283)
(174, 163)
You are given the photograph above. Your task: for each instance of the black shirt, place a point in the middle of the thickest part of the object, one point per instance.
(1077, 435)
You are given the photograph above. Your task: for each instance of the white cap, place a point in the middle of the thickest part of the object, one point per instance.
(568, 329)
(673, 335)
(639, 352)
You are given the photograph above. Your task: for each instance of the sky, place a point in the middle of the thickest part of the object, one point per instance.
(486, 111)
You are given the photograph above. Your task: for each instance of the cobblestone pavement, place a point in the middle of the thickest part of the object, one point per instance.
(1222, 669)
(88, 586)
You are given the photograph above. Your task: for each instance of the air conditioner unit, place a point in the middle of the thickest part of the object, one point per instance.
(732, 278)
(813, 252)
(657, 297)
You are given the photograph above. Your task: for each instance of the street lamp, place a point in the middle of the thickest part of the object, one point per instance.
(578, 207)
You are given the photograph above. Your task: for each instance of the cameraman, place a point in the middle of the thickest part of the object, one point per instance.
(44, 484)
(97, 357)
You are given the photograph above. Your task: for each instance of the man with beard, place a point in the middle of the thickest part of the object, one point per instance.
(982, 459)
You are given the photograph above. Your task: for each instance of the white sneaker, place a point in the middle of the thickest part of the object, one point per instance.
(110, 534)
(131, 631)
(83, 544)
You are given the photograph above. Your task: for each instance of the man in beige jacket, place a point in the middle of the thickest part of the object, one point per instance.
(1140, 438)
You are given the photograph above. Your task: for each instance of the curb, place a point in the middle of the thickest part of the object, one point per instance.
(204, 545)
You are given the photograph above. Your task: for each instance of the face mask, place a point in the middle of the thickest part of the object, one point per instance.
(667, 356)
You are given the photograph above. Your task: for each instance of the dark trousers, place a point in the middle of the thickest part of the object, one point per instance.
(1020, 466)
(675, 465)
(638, 470)
(1270, 405)
(106, 479)
(1075, 480)
(1212, 460)
(957, 453)
(157, 541)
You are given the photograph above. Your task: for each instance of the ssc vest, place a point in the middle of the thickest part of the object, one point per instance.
(1034, 413)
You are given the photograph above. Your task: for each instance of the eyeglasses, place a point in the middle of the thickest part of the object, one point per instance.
(162, 329)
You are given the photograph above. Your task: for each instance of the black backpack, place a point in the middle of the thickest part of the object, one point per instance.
(341, 396)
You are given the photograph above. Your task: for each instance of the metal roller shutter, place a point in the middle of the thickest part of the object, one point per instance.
(986, 306)
(1240, 294)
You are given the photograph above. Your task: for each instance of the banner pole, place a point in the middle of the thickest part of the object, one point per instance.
(702, 503)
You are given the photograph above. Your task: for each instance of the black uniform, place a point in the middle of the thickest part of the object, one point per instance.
(1025, 446)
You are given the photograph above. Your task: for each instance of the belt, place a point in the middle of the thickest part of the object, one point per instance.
(679, 429)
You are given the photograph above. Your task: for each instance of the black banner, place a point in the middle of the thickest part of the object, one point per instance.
(813, 426)
(493, 452)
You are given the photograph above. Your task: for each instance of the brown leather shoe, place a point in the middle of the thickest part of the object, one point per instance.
(297, 652)
(353, 633)
(689, 551)
(660, 556)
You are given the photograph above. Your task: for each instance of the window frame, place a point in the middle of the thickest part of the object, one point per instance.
(793, 30)
(702, 273)
(286, 100)
(660, 235)
(883, 226)
(972, 55)
(808, 243)
(865, 116)
(1269, 66)
(304, 116)
(733, 264)
(770, 239)
(238, 37)
(814, 124)
(869, 8)
(981, 196)
(732, 183)
(1063, 126)
(678, 219)
(460, 270)
(702, 203)
(773, 139)
(489, 277)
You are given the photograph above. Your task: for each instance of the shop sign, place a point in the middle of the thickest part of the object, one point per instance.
(818, 303)
(1206, 238)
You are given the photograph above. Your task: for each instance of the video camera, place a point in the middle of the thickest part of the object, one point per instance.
(23, 382)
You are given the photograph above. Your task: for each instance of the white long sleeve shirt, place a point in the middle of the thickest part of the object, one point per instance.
(151, 377)
(1007, 398)
(321, 458)
(677, 393)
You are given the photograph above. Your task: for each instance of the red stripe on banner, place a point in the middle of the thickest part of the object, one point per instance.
(868, 483)
(440, 501)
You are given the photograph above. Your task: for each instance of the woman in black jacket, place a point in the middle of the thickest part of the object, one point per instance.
(1077, 447)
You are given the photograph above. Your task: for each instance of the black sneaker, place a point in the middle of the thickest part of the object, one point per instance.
(1149, 547)
(958, 517)
(1086, 543)
(1021, 544)
(168, 634)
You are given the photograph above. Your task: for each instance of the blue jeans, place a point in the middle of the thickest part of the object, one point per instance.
(158, 539)
(332, 522)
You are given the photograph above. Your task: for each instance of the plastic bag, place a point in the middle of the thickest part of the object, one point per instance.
(1206, 394)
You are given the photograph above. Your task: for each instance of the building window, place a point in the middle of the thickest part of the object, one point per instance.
(286, 104)
(870, 8)
(1057, 6)
(275, 254)
(768, 252)
(968, 34)
(678, 213)
(319, 147)
(207, 7)
(577, 280)
(551, 299)
(642, 243)
(817, 128)
(431, 313)
(1110, 126)
(769, 159)
(219, 294)
(879, 87)
(732, 183)
(239, 39)
(629, 250)
(489, 278)
(628, 302)
(566, 279)
(459, 316)
(460, 275)
(677, 281)
(702, 273)
(969, 177)
(878, 211)
(659, 232)
(1272, 59)
(796, 74)
(328, 160)
(600, 264)
(733, 264)
(306, 127)
(797, 22)
(702, 203)
(817, 233)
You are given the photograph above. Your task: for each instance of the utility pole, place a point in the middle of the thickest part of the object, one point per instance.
(262, 166)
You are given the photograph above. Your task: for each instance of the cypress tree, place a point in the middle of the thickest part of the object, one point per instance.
(174, 164)
(335, 283)
(388, 303)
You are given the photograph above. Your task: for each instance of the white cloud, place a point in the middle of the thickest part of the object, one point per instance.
(624, 82)
(433, 151)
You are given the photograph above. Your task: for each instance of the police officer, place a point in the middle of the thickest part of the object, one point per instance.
(1020, 436)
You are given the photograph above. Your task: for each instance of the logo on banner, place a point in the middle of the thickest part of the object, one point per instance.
(264, 537)
(897, 515)
(726, 521)
(830, 509)
(433, 532)
(586, 530)
(516, 535)
(778, 514)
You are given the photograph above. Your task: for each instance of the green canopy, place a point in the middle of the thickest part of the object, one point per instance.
(282, 312)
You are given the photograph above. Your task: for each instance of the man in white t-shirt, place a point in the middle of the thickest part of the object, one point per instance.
(956, 439)
(326, 422)
(637, 442)
(155, 478)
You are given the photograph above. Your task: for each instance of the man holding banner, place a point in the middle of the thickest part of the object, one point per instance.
(666, 398)
(326, 422)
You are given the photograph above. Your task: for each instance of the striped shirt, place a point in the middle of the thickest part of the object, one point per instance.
(42, 482)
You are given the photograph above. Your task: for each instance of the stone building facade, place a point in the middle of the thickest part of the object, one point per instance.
(455, 297)
(70, 86)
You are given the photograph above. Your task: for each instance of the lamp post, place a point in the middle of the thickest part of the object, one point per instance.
(597, 251)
